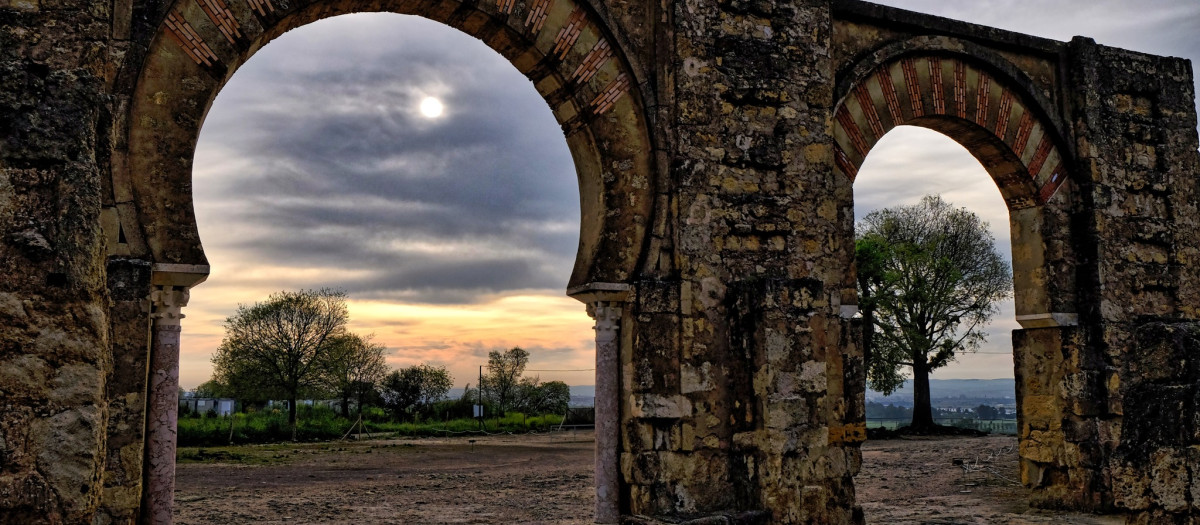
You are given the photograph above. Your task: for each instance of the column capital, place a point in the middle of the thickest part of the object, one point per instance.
(166, 304)
(169, 290)
(608, 319)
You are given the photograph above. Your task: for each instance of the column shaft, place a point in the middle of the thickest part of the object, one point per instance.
(608, 439)
(162, 424)
(162, 410)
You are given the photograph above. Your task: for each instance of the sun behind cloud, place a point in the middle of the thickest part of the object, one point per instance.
(431, 107)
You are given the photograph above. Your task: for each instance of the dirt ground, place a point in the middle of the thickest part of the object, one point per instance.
(548, 479)
(951, 480)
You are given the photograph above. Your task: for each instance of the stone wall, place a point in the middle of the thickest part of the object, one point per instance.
(54, 339)
(1136, 130)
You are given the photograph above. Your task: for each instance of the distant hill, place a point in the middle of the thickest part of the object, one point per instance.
(581, 395)
(994, 390)
(997, 390)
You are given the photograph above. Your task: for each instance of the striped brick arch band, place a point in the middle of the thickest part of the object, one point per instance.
(917, 89)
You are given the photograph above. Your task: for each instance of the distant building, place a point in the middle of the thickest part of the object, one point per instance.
(203, 405)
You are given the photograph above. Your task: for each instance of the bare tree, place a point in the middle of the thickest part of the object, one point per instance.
(929, 280)
(283, 342)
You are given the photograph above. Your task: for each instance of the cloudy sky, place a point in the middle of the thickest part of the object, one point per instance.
(455, 234)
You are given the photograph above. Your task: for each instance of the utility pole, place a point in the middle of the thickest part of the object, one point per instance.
(480, 397)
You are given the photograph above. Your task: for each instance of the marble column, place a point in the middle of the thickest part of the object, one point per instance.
(163, 404)
(608, 440)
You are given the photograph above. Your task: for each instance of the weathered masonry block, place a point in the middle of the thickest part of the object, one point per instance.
(716, 145)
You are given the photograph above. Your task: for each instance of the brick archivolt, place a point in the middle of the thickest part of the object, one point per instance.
(567, 38)
(950, 94)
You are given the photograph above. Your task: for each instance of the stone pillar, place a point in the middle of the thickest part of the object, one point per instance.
(1139, 285)
(608, 324)
(606, 304)
(163, 407)
(128, 287)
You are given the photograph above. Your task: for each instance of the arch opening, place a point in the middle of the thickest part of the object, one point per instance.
(389, 177)
(975, 390)
(1005, 130)
(317, 168)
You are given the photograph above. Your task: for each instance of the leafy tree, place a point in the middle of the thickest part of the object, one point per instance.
(553, 398)
(281, 345)
(929, 280)
(244, 383)
(354, 369)
(211, 389)
(870, 257)
(408, 391)
(502, 383)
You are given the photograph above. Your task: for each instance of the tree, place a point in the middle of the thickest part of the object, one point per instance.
(408, 391)
(355, 367)
(282, 344)
(211, 389)
(553, 398)
(929, 280)
(502, 383)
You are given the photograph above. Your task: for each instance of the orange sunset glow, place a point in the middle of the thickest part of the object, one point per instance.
(555, 329)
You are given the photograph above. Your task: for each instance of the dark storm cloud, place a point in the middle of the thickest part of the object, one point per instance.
(343, 173)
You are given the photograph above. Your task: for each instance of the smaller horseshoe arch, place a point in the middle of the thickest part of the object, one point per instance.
(996, 121)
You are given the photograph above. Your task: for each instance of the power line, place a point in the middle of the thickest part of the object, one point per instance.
(569, 370)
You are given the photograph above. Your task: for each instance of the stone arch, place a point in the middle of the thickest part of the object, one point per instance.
(562, 46)
(985, 104)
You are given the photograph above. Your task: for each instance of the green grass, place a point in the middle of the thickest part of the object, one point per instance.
(513, 423)
(321, 424)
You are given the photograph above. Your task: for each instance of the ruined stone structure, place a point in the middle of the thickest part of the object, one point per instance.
(716, 144)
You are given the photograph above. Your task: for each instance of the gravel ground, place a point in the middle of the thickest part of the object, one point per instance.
(548, 479)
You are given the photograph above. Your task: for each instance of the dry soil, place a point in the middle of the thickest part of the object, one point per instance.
(547, 478)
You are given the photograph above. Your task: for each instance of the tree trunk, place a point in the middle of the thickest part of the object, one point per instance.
(922, 408)
(292, 413)
(346, 403)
